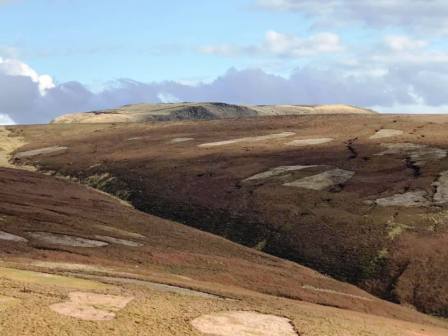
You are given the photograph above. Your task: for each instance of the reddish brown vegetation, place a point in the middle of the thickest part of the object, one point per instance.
(396, 253)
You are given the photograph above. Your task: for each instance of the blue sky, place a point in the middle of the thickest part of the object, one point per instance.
(59, 56)
(96, 41)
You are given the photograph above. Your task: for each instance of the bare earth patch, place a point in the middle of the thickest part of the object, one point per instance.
(310, 142)
(118, 241)
(91, 307)
(66, 240)
(386, 133)
(11, 237)
(441, 185)
(409, 199)
(243, 323)
(419, 154)
(248, 139)
(35, 152)
(276, 172)
(324, 180)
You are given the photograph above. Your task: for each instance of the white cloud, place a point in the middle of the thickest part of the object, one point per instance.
(6, 120)
(21, 89)
(423, 57)
(403, 43)
(416, 15)
(227, 50)
(412, 109)
(292, 5)
(13, 67)
(289, 45)
(283, 45)
(167, 98)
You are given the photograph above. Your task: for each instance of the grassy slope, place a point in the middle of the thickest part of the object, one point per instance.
(173, 254)
(334, 232)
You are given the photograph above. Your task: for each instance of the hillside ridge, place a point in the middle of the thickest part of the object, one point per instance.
(200, 111)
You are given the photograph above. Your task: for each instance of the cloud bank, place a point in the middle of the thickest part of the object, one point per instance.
(29, 97)
(283, 45)
(414, 15)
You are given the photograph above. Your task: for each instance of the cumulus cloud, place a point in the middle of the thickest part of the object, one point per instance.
(12, 67)
(422, 15)
(21, 89)
(284, 45)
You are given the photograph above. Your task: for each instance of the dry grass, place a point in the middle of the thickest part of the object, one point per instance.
(165, 314)
(8, 144)
(48, 279)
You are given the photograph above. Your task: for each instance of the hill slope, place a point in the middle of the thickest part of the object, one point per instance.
(200, 111)
(72, 258)
(359, 197)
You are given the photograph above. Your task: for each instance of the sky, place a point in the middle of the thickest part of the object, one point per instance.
(63, 56)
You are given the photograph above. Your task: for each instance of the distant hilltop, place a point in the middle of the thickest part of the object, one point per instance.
(200, 111)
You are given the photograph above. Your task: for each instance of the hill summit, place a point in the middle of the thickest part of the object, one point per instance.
(200, 111)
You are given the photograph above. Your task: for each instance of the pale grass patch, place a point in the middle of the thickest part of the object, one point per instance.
(416, 198)
(66, 240)
(11, 237)
(243, 323)
(91, 306)
(309, 142)
(324, 180)
(277, 171)
(40, 151)
(248, 139)
(386, 133)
